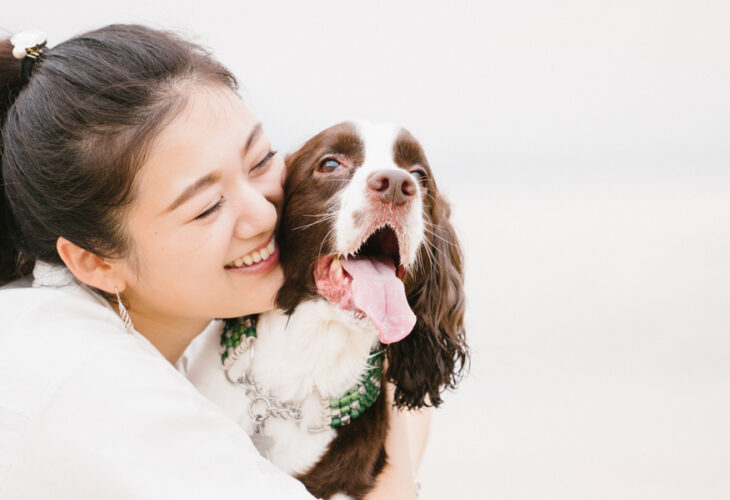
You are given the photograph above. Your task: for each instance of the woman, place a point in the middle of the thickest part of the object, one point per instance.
(132, 177)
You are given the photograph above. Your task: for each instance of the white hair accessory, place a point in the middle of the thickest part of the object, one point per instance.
(28, 43)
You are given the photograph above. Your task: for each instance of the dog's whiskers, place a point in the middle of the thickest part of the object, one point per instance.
(324, 240)
(437, 236)
(323, 218)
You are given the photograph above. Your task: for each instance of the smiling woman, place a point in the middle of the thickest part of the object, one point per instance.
(209, 194)
(138, 201)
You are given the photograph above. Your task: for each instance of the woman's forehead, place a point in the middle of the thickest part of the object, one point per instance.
(210, 116)
(208, 133)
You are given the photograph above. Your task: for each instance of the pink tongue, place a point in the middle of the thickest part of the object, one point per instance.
(381, 296)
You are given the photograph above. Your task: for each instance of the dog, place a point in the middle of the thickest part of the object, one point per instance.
(373, 292)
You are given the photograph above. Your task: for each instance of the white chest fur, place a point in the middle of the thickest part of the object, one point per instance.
(316, 354)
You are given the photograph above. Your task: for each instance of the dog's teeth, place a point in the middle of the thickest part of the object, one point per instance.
(264, 252)
(256, 257)
(337, 270)
(272, 246)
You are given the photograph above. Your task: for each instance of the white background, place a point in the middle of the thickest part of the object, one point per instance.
(585, 146)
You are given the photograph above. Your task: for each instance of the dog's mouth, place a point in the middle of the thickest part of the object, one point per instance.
(369, 284)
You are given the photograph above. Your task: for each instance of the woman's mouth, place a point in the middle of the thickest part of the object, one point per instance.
(264, 256)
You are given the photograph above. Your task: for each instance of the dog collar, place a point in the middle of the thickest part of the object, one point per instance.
(239, 335)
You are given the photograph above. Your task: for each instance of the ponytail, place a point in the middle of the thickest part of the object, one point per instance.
(12, 264)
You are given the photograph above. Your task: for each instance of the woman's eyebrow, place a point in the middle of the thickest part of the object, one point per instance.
(190, 191)
(251, 137)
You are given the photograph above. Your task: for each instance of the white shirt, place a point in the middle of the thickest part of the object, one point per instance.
(88, 411)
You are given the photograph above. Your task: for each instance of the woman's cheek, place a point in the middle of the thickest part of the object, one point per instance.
(213, 241)
(274, 189)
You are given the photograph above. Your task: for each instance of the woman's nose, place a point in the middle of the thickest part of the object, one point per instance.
(257, 212)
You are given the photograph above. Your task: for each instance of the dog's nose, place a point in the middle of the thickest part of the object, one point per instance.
(392, 186)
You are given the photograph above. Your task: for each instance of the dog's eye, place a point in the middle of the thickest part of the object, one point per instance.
(329, 165)
(419, 174)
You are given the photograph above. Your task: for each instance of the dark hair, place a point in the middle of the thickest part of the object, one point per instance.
(75, 134)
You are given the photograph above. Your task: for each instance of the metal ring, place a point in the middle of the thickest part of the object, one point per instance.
(259, 416)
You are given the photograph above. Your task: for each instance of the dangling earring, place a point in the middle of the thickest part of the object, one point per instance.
(124, 314)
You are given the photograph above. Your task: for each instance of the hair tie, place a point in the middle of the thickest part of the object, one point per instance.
(28, 46)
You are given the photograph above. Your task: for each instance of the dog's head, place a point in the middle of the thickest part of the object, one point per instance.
(363, 213)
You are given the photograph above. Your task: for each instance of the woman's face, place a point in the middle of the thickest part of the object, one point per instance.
(209, 195)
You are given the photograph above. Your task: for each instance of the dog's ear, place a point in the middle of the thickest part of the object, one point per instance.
(297, 265)
(434, 355)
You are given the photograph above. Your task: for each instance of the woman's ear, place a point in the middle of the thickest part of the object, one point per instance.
(432, 357)
(90, 269)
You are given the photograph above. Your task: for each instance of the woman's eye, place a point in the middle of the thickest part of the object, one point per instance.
(211, 210)
(329, 165)
(264, 161)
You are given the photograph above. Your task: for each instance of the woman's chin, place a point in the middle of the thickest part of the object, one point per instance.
(264, 299)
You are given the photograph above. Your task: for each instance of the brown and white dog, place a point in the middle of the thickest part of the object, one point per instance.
(369, 257)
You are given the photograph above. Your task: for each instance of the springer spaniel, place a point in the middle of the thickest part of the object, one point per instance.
(373, 269)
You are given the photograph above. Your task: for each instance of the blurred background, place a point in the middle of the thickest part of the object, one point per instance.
(585, 148)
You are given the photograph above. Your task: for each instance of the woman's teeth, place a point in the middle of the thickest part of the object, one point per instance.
(255, 257)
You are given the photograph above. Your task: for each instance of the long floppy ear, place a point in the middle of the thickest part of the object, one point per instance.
(434, 355)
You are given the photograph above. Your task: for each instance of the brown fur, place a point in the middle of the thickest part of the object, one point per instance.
(302, 233)
(423, 364)
(354, 458)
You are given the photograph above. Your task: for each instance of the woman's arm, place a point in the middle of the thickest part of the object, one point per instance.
(405, 444)
(418, 423)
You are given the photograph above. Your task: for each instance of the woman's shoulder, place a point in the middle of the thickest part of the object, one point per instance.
(48, 333)
(65, 315)
(81, 397)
